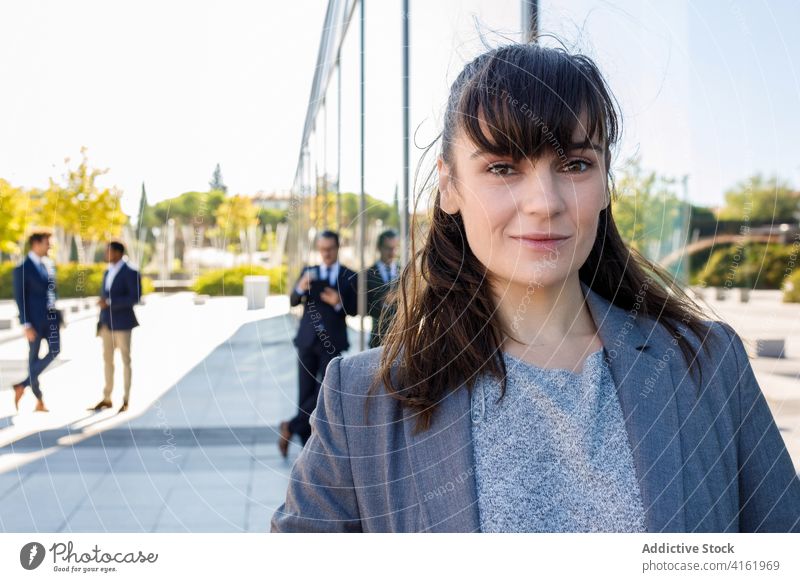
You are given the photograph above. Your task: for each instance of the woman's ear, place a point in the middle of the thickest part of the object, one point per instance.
(446, 196)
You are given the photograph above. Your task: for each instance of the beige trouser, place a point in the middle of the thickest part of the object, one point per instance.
(120, 339)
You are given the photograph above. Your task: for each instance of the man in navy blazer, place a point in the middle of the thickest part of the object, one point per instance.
(121, 290)
(35, 294)
(328, 292)
(381, 279)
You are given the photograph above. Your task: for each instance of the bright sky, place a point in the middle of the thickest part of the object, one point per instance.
(161, 91)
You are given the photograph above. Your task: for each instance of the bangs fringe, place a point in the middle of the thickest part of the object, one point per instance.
(523, 102)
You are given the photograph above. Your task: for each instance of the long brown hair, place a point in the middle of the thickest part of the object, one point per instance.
(445, 331)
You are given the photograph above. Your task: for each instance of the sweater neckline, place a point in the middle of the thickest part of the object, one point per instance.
(584, 367)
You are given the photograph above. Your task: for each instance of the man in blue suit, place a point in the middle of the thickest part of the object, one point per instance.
(381, 279)
(329, 293)
(35, 294)
(121, 290)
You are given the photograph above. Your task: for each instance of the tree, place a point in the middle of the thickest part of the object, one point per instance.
(13, 208)
(145, 239)
(198, 208)
(761, 199)
(146, 217)
(144, 209)
(647, 211)
(235, 215)
(77, 207)
(272, 216)
(216, 182)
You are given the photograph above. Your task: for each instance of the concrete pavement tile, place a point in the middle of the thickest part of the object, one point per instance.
(127, 519)
(121, 492)
(30, 522)
(219, 518)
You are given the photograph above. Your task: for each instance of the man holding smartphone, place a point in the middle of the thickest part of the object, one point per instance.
(329, 293)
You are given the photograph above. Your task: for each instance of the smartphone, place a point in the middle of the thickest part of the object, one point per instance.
(317, 284)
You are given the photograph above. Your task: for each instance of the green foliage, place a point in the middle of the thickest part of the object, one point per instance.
(230, 282)
(12, 217)
(75, 204)
(198, 208)
(791, 288)
(236, 213)
(81, 207)
(147, 285)
(145, 217)
(75, 280)
(375, 209)
(647, 211)
(272, 216)
(752, 265)
(759, 199)
(7, 280)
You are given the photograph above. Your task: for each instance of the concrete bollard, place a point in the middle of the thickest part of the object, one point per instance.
(770, 348)
(744, 295)
(256, 289)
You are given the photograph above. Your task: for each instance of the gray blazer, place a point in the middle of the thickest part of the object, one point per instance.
(713, 463)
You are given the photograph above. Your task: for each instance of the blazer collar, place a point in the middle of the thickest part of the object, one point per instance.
(37, 263)
(107, 272)
(442, 457)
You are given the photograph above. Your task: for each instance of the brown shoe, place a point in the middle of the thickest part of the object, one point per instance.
(40, 407)
(124, 407)
(19, 390)
(284, 439)
(101, 405)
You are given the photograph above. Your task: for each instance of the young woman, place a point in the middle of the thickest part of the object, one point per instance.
(539, 374)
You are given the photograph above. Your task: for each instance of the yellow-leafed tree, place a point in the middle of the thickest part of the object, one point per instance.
(235, 215)
(80, 207)
(13, 213)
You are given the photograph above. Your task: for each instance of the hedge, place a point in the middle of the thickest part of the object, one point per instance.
(230, 282)
(753, 265)
(72, 280)
(791, 288)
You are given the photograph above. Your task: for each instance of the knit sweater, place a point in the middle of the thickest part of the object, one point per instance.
(553, 454)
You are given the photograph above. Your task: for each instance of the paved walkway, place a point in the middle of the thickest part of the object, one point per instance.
(196, 451)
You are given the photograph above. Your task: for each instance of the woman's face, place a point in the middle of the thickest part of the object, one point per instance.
(507, 206)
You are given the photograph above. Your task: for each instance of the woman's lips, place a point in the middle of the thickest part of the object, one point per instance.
(541, 245)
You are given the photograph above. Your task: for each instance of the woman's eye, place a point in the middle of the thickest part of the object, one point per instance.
(576, 166)
(501, 169)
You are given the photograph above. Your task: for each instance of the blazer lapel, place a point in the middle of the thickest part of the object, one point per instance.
(646, 393)
(442, 463)
(118, 277)
(38, 269)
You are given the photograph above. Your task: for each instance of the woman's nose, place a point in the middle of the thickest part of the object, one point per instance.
(541, 194)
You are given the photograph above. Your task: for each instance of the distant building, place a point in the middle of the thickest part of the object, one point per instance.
(273, 200)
